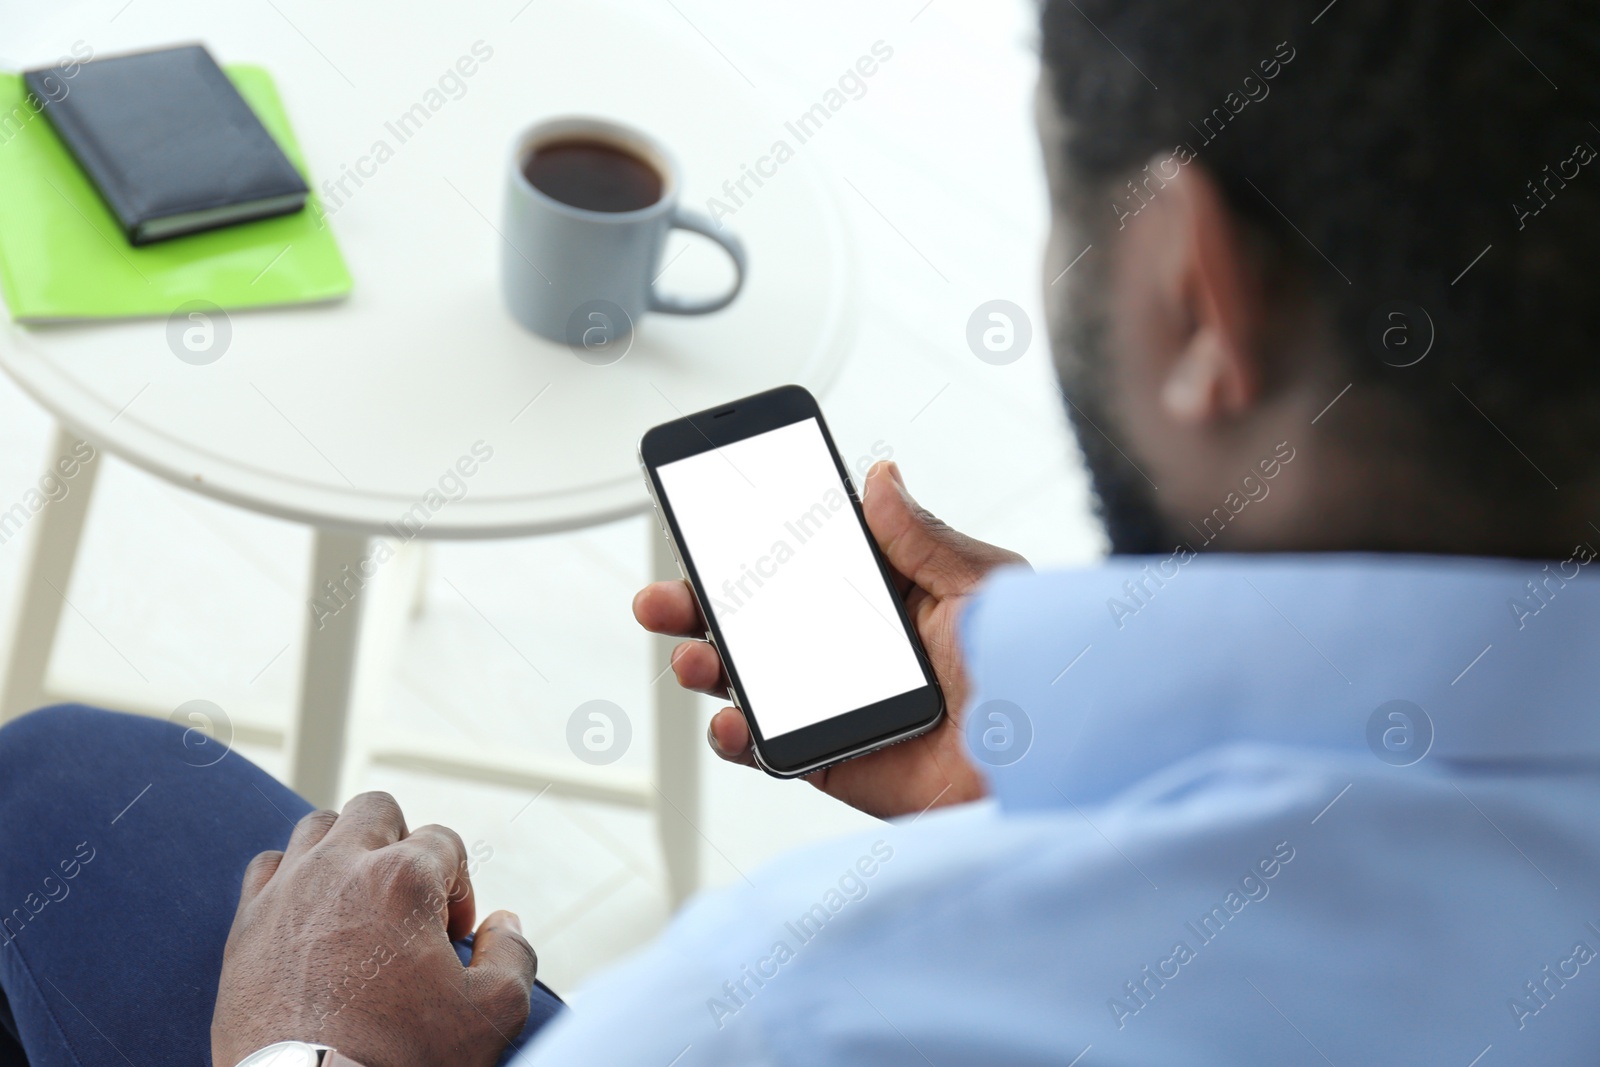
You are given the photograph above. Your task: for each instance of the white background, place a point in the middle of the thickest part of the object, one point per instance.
(820, 636)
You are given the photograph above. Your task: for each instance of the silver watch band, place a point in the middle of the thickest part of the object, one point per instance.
(295, 1054)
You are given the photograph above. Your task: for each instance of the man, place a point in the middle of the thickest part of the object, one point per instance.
(1332, 804)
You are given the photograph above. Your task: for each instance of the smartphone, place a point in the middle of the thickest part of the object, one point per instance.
(768, 530)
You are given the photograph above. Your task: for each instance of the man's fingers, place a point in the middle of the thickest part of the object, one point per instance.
(919, 546)
(373, 820)
(698, 667)
(444, 848)
(502, 971)
(258, 874)
(309, 832)
(729, 737)
(668, 608)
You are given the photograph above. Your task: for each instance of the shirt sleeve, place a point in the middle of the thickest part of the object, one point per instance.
(661, 1005)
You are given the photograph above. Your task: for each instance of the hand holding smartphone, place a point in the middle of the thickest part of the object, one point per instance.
(818, 650)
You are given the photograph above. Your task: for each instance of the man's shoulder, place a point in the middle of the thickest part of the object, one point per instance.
(724, 982)
(951, 916)
(1178, 923)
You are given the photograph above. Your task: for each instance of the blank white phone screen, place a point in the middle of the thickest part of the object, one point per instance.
(805, 615)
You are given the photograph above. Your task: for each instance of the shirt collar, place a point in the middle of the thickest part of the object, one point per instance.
(1120, 670)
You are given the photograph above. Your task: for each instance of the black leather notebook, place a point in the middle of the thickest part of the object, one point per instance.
(169, 143)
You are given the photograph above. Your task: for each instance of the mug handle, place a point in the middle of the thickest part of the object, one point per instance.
(693, 221)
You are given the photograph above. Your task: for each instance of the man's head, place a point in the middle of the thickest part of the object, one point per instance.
(1363, 234)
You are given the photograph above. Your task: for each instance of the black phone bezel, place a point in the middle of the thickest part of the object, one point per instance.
(841, 737)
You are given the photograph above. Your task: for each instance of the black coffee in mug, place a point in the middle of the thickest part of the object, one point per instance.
(593, 175)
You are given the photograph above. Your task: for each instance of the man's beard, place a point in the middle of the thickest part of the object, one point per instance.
(1124, 499)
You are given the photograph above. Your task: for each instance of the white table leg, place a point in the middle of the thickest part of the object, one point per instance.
(421, 570)
(328, 671)
(679, 735)
(51, 551)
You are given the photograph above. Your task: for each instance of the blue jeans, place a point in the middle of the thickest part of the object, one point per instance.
(121, 855)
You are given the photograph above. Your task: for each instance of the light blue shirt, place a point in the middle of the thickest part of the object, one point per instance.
(1223, 844)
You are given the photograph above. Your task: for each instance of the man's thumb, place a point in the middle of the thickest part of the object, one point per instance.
(918, 545)
(499, 945)
(501, 973)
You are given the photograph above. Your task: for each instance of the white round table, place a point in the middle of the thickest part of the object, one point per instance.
(346, 416)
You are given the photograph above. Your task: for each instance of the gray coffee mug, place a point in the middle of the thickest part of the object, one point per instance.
(586, 277)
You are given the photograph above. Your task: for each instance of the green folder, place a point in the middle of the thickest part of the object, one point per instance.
(63, 256)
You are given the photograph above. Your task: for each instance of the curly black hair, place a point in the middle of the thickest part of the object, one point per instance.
(1439, 153)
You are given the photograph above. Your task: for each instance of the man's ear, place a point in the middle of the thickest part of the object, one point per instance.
(1213, 289)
